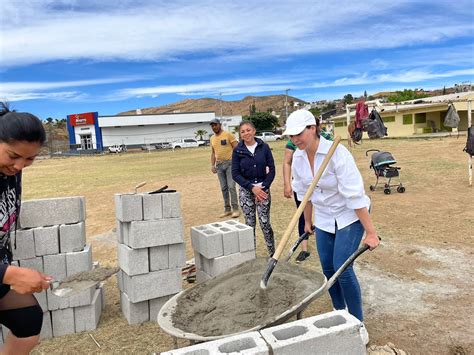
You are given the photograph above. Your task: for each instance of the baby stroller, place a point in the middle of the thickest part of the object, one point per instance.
(381, 163)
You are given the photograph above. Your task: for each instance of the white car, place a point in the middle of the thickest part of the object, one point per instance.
(117, 148)
(268, 136)
(187, 143)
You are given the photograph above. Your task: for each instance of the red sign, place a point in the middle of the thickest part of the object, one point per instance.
(82, 119)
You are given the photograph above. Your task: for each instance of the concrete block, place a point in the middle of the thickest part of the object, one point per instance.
(72, 237)
(330, 333)
(206, 264)
(155, 306)
(42, 300)
(79, 261)
(102, 294)
(52, 211)
(83, 298)
(1, 336)
(230, 238)
(207, 241)
(128, 207)
(132, 261)
(159, 258)
(152, 207)
(171, 205)
(55, 302)
(197, 260)
(120, 280)
(119, 231)
(135, 313)
(152, 285)
(47, 328)
(87, 317)
(63, 321)
(33, 263)
(177, 255)
(145, 234)
(202, 276)
(46, 240)
(55, 266)
(25, 244)
(246, 235)
(222, 264)
(247, 343)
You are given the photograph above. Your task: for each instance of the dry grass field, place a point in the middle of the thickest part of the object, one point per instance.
(416, 286)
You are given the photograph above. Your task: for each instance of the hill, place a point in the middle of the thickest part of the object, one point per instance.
(271, 103)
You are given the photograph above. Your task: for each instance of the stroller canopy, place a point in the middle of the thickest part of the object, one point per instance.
(382, 158)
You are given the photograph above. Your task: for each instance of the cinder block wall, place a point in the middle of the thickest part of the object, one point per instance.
(151, 252)
(52, 240)
(220, 246)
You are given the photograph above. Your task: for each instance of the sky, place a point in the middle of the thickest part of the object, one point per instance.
(73, 56)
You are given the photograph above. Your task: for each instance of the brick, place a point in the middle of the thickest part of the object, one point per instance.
(47, 328)
(72, 237)
(171, 205)
(46, 240)
(79, 261)
(152, 207)
(159, 258)
(152, 285)
(55, 266)
(53, 211)
(33, 263)
(207, 241)
(134, 313)
(132, 261)
(222, 264)
(335, 332)
(128, 207)
(63, 321)
(25, 244)
(177, 255)
(247, 343)
(155, 306)
(145, 234)
(87, 317)
(202, 276)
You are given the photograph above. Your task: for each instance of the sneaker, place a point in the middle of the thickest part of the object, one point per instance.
(364, 334)
(235, 214)
(225, 214)
(302, 256)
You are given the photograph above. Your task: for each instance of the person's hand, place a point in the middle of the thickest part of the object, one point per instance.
(287, 191)
(259, 193)
(214, 170)
(371, 240)
(25, 281)
(308, 227)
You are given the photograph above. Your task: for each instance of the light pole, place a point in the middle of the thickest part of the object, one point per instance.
(220, 100)
(286, 104)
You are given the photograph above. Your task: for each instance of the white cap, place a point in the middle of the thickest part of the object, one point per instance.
(298, 121)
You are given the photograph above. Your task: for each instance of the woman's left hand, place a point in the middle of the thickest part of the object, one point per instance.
(259, 193)
(372, 240)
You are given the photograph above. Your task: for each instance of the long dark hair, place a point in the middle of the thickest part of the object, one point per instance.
(20, 126)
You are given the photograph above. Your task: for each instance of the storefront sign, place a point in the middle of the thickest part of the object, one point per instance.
(81, 119)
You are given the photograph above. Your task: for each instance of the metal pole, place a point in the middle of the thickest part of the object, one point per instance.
(286, 103)
(220, 96)
(469, 124)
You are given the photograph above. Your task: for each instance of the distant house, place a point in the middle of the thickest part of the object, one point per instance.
(414, 117)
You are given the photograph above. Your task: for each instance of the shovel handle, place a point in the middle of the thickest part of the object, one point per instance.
(302, 237)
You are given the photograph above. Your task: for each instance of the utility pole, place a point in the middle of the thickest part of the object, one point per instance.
(220, 96)
(286, 103)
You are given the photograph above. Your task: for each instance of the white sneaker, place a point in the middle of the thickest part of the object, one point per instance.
(364, 334)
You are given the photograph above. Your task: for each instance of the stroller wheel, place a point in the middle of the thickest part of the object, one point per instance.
(387, 191)
(401, 189)
(372, 188)
(387, 186)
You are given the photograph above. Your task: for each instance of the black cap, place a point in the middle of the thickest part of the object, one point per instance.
(215, 121)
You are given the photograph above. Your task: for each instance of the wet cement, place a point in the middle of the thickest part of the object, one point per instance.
(78, 282)
(234, 302)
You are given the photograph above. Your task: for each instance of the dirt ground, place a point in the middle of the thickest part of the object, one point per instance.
(416, 285)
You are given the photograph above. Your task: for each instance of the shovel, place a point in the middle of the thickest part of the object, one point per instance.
(302, 237)
(74, 284)
(274, 259)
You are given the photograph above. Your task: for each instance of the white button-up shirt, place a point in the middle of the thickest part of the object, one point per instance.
(340, 189)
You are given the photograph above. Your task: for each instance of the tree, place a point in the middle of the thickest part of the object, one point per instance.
(348, 99)
(444, 90)
(199, 133)
(263, 121)
(49, 120)
(405, 95)
(365, 94)
(315, 111)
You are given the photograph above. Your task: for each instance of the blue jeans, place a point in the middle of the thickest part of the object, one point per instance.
(334, 249)
(224, 173)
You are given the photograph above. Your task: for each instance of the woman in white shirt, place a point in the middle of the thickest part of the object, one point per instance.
(340, 206)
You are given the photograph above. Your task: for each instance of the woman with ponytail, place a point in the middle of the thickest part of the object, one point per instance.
(21, 138)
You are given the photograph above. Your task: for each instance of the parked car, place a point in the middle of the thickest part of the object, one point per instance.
(187, 143)
(268, 136)
(117, 148)
(163, 145)
(148, 147)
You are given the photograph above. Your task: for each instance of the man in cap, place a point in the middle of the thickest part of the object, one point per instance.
(222, 145)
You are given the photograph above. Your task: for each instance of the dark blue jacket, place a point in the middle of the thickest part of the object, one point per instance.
(249, 169)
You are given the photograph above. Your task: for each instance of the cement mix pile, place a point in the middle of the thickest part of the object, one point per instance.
(234, 302)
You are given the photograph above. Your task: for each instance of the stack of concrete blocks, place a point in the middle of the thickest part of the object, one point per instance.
(335, 332)
(52, 240)
(220, 246)
(151, 252)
